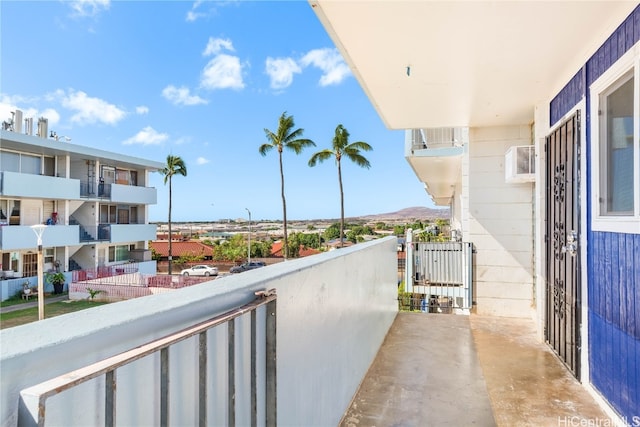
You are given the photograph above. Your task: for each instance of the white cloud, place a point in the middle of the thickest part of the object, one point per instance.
(181, 96)
(52, 116)
(142, 109)
(90, 110)
(329, 60)
(202, 161)
(280, 71)
(215, 46)
(222, 72)
(89, 7)
(192, 15)
(9, 104)
(147, 136)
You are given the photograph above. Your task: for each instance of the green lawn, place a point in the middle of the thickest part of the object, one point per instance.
(21, 317)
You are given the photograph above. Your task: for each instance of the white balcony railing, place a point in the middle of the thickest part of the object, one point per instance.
(133, 194)
(334, 310)
(20, 237)
(27, 185)
(434, 138)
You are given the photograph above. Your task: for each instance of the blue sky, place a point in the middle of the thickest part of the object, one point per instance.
(201, 80)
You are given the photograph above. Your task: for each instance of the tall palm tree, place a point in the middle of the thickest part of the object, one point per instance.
(285, 137)
(175, 166)
(340, 147)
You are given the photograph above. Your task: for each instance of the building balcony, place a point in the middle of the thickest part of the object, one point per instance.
(133, 194)
(333, 312)
(435, 155)
(20, 237)
(120, 193)
(25, 185)
(323, 346)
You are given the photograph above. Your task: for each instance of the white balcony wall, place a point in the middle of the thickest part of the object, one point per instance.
(133, 194)
(498, 219)
(18, 237)
(333, 312)
(132, 232)
(26, 185)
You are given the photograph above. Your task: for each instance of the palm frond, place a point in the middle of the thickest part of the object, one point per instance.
(358, 159)
(265, 148)
(174, 166)
(320, 156)
(361, 145)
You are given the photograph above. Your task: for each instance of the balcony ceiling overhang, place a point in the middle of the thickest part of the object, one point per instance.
(466, 63)
(438, 172)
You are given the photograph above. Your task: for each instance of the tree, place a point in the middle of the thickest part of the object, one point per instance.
(332, 231)
(399, 230)
(340, 147)
(234, 249)
(175, 166)
(285, 137)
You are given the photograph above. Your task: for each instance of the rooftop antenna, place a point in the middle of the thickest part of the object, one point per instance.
(9, 125)
(57, 137)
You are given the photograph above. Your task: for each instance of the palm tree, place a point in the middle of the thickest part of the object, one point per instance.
(341, 147)
(285, 137)
(175, 166)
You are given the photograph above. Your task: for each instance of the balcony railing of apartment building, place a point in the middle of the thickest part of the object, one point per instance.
(126, 193)
(35, 398)
(89, 189)
(433, 138)
(92, 233)
(333, 313)
(117, 273)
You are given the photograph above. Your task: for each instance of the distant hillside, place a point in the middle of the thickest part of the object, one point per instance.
(416, 212)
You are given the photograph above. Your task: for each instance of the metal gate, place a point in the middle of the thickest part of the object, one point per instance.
(440, 275)
(562, 329)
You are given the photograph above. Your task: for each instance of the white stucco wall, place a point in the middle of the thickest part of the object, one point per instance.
(499, 222)
(334, 310)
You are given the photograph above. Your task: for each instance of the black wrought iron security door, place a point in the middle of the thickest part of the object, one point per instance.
(562, 330)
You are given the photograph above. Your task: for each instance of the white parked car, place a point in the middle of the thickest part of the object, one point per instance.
(200, 270)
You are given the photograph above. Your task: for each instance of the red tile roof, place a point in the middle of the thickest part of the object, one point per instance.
(276, 250)
(178, 249)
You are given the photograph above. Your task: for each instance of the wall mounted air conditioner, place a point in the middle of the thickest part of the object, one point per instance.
(519, 164)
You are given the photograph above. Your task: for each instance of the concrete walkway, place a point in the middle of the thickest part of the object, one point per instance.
(448, 370)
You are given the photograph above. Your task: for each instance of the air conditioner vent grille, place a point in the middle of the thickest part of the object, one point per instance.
(519, 164)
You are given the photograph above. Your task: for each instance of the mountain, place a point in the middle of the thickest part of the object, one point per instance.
(416, 212)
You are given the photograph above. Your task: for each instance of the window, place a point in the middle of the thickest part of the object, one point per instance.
(30, 164)
(23, 163)
(117, 214)
(118, 253)
(48, 255)
(108, 174)
(9, 162)
(123, 215)
(30, 265)
(615, 147)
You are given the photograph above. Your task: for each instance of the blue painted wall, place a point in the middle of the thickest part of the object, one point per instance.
(613, 259)
(614, 319)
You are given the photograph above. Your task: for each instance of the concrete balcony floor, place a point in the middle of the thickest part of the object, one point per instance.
(438, 370)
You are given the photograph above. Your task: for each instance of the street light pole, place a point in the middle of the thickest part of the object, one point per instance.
(249, 245)
(39, 229)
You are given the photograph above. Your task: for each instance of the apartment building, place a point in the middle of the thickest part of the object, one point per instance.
(94, 203)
